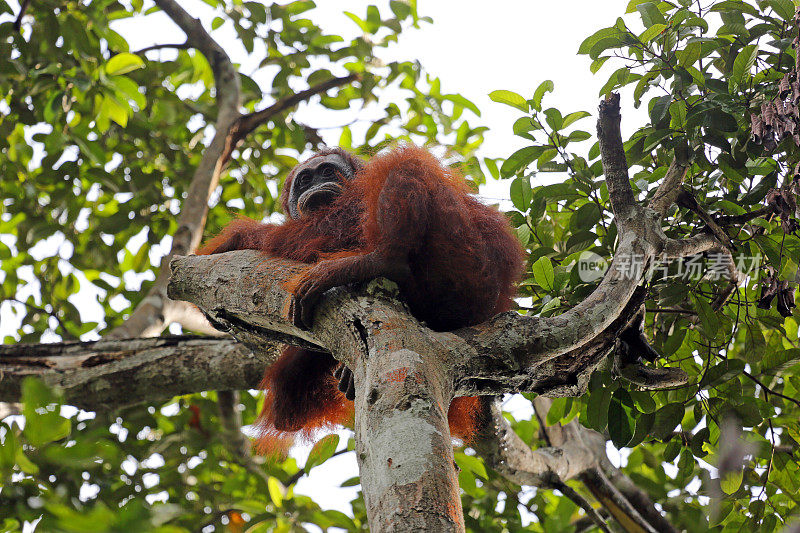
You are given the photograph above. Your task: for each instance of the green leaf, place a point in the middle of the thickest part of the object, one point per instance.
(123, 63)
(644, 424)
(112, 109)
(276, 491)
(355, 18)
(519, 160)
(652, 32)
(650, 14)
(472, 464)
(784, 8)
(722, 372)
(509, 98)
(743, 63)
(660, 108)
(557, 410)
(322, 451)
(731, 481)
(708, 317)
(620, 424)
(42, 410)
(574, 117)
(521, 194)
(643, 401)
(543, 273)
(667, 419)
(597, 408)
(543, 88)
(463, 102)
(588, 43)
(585, 217)
(775, 362)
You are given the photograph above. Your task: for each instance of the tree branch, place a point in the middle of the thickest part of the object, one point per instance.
(612, 154)
(23, 8)
(247, 123)
(109, 374)
(686, 199)
(670, 187)
(180, 46)
(155, 310)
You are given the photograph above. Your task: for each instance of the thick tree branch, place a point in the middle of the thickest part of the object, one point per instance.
(702, 242)
(109, 374)
(736, 220)
(243, 292)
(573, 452)
(504, 451)
(608, 494)
(670, 187)
(155, 310)
(612, 154)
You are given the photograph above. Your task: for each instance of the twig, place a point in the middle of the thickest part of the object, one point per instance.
(735, 220)
(22, 9)
(180, 46)
(53, 314)
(686, 199)
(584, 504)
(770, 391)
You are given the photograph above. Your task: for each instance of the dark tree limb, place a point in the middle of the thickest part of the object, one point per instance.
(686, 199)
(178, 46)
(23, 8)
(246, 124)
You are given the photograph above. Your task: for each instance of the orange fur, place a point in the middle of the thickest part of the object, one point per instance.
(403, 214)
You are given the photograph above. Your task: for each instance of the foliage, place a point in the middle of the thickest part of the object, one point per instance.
(99, 142)
(702, 71)
(95, 144)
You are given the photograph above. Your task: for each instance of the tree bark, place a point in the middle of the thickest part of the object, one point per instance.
(109, 374)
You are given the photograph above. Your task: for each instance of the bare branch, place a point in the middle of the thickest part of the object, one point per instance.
(504, 451)
(154, 312)
(612, 153)
(735, 220)
(616, 502)
(231, 419)
(584, 504)
(247, 123)
(686, 199)
(670, 187)
(636, 497)
(23, 8)
(108, 374)
(180, 46)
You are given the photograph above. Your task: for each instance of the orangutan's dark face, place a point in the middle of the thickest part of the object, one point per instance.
(317, 183)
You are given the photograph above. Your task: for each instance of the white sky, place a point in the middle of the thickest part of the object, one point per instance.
(475, 48)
